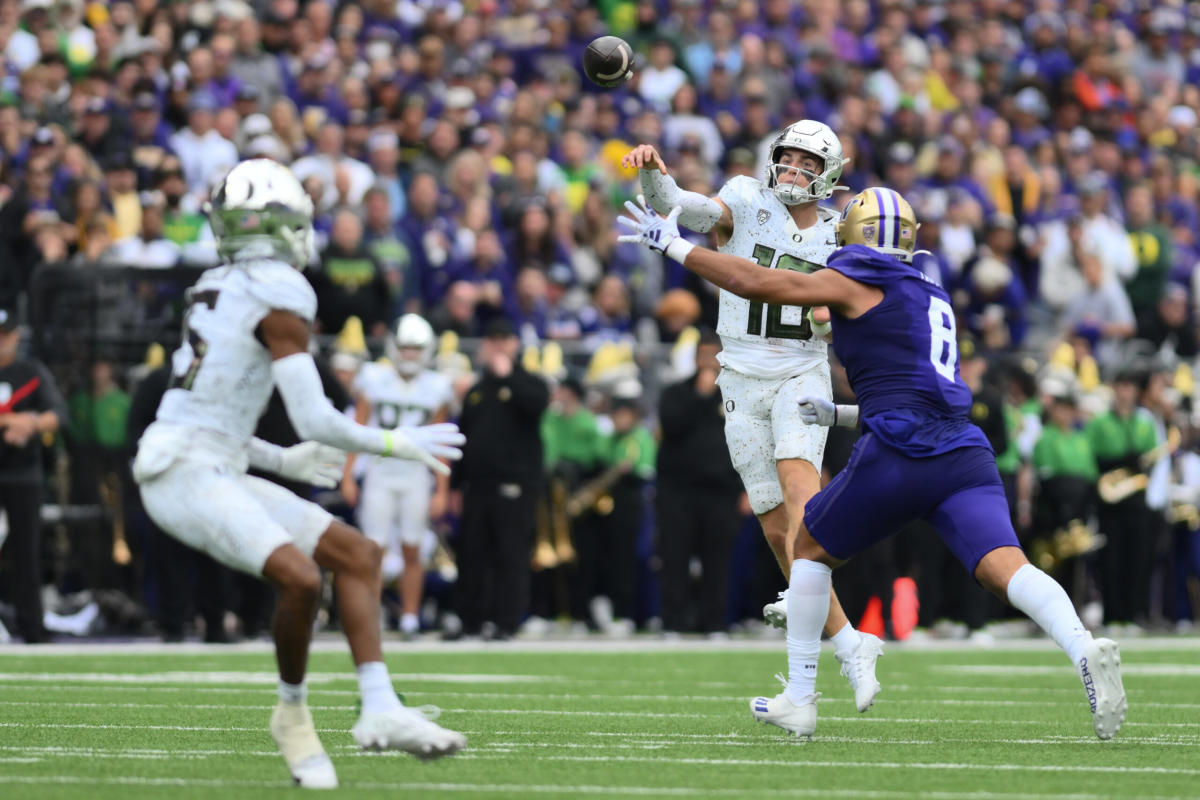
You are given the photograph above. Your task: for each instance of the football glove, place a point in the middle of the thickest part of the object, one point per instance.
(428, 443)
(817, 411)
(312, 462)
(647, 228)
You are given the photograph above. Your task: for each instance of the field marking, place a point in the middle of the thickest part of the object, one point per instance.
(524, 789)
(949, 765)
(642, 698)
(336, 643)
(1127, 669)
(269, 678)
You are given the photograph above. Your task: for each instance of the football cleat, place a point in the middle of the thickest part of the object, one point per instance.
(409, 730)
(797, 719)
(293, 731)
(859, 669)
(775, 614)
(1100, 671)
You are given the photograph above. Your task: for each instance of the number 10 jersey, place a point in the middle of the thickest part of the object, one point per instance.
(759, 339)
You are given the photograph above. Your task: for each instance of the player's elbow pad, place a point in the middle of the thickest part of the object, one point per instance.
(697, 212)
(311, 413)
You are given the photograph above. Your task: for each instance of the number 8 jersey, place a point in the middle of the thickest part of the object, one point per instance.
(758, 339)
(902, 358)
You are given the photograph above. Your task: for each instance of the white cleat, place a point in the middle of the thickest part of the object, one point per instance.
(798, 720)
(292, 729)
(859, 670)
(1100, 671)
(775, 614)
(409, 730)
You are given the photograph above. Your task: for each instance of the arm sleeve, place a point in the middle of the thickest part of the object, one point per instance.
(312, 415)
(699, 213)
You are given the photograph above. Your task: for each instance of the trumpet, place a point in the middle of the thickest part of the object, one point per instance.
(1073, 539)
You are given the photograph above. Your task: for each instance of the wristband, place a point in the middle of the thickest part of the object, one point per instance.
(387, 443)
(678, 249)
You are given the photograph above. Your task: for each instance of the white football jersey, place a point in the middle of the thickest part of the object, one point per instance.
(396, 402)
(758, 339)
(221, 373)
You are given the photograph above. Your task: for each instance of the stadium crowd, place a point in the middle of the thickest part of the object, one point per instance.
(463, 168)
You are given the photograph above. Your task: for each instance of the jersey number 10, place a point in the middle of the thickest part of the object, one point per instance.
(776, 327)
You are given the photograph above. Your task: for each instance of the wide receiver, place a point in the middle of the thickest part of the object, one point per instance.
(399, 497)
(772, 353)
(919, 457)
(246, 332)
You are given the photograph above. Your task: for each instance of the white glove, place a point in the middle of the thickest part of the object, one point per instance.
(313, 463)
(647, 228)
(428, 443)
(817, 411)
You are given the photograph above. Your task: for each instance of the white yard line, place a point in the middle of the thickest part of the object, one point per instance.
(525, 789)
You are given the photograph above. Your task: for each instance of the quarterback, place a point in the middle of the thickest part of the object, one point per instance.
(247, 331)
(919, 457)
(399, 497)
(774, 352)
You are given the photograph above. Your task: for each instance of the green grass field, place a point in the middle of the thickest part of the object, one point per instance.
(627, 719)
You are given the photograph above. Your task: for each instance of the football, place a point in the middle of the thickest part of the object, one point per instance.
(608, 61)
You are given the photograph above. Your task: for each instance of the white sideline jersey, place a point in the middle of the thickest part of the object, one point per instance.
(758, 339)
(221, 372)
(396, 402)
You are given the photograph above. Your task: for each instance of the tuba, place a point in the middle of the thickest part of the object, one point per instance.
(1118, 484)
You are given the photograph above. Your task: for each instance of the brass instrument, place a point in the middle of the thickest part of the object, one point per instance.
(1118, 484)
(594, 495)
(552, 546)
(1073, 539)
(110, 495)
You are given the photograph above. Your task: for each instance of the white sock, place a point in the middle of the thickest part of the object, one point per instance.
(1041, 597)
(294, 693)
(845, 641)
(410, 623)
(375, 686)
(808, 606)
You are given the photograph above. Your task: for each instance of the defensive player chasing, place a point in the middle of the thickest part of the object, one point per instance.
(771, 354)
(399, 497)
(919, 455)
(246, 331)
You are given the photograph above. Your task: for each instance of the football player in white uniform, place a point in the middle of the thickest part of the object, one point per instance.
(772, 355)
(399, 497)
(246, 332)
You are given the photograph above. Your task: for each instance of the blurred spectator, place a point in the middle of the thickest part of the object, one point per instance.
(1152, 250)
(384, 241)
(349, 280)
(345, 179)
(32, 409)
(1100, 311)
(149, 248)
(203, 152)
(1169, 326)
(498, 480)
(697, 498)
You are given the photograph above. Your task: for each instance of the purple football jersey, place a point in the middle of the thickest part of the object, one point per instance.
(902, 358)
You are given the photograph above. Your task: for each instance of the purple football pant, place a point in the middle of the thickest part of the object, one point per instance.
(881, 490)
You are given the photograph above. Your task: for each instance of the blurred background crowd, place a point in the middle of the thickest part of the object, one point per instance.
(463, 168)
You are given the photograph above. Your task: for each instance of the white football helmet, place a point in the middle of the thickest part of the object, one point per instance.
(412, 332)
(260, 210)
(815, 138)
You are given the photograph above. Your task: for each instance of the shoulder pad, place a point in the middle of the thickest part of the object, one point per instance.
(280, 286)
(742, 190)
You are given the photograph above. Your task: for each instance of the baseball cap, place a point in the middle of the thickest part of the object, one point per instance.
(43, 136)
(96, 105)
(1093, 183)
(247, 91)
(382, 139)
(901, 153)
(1030, 101)
(499, 328)
(202, 101)
(459, 97)
(8, 319)
(145, 101)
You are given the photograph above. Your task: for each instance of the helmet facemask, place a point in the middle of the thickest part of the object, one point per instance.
(814, 139)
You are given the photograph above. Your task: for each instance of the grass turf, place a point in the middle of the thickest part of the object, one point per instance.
(652, 721)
